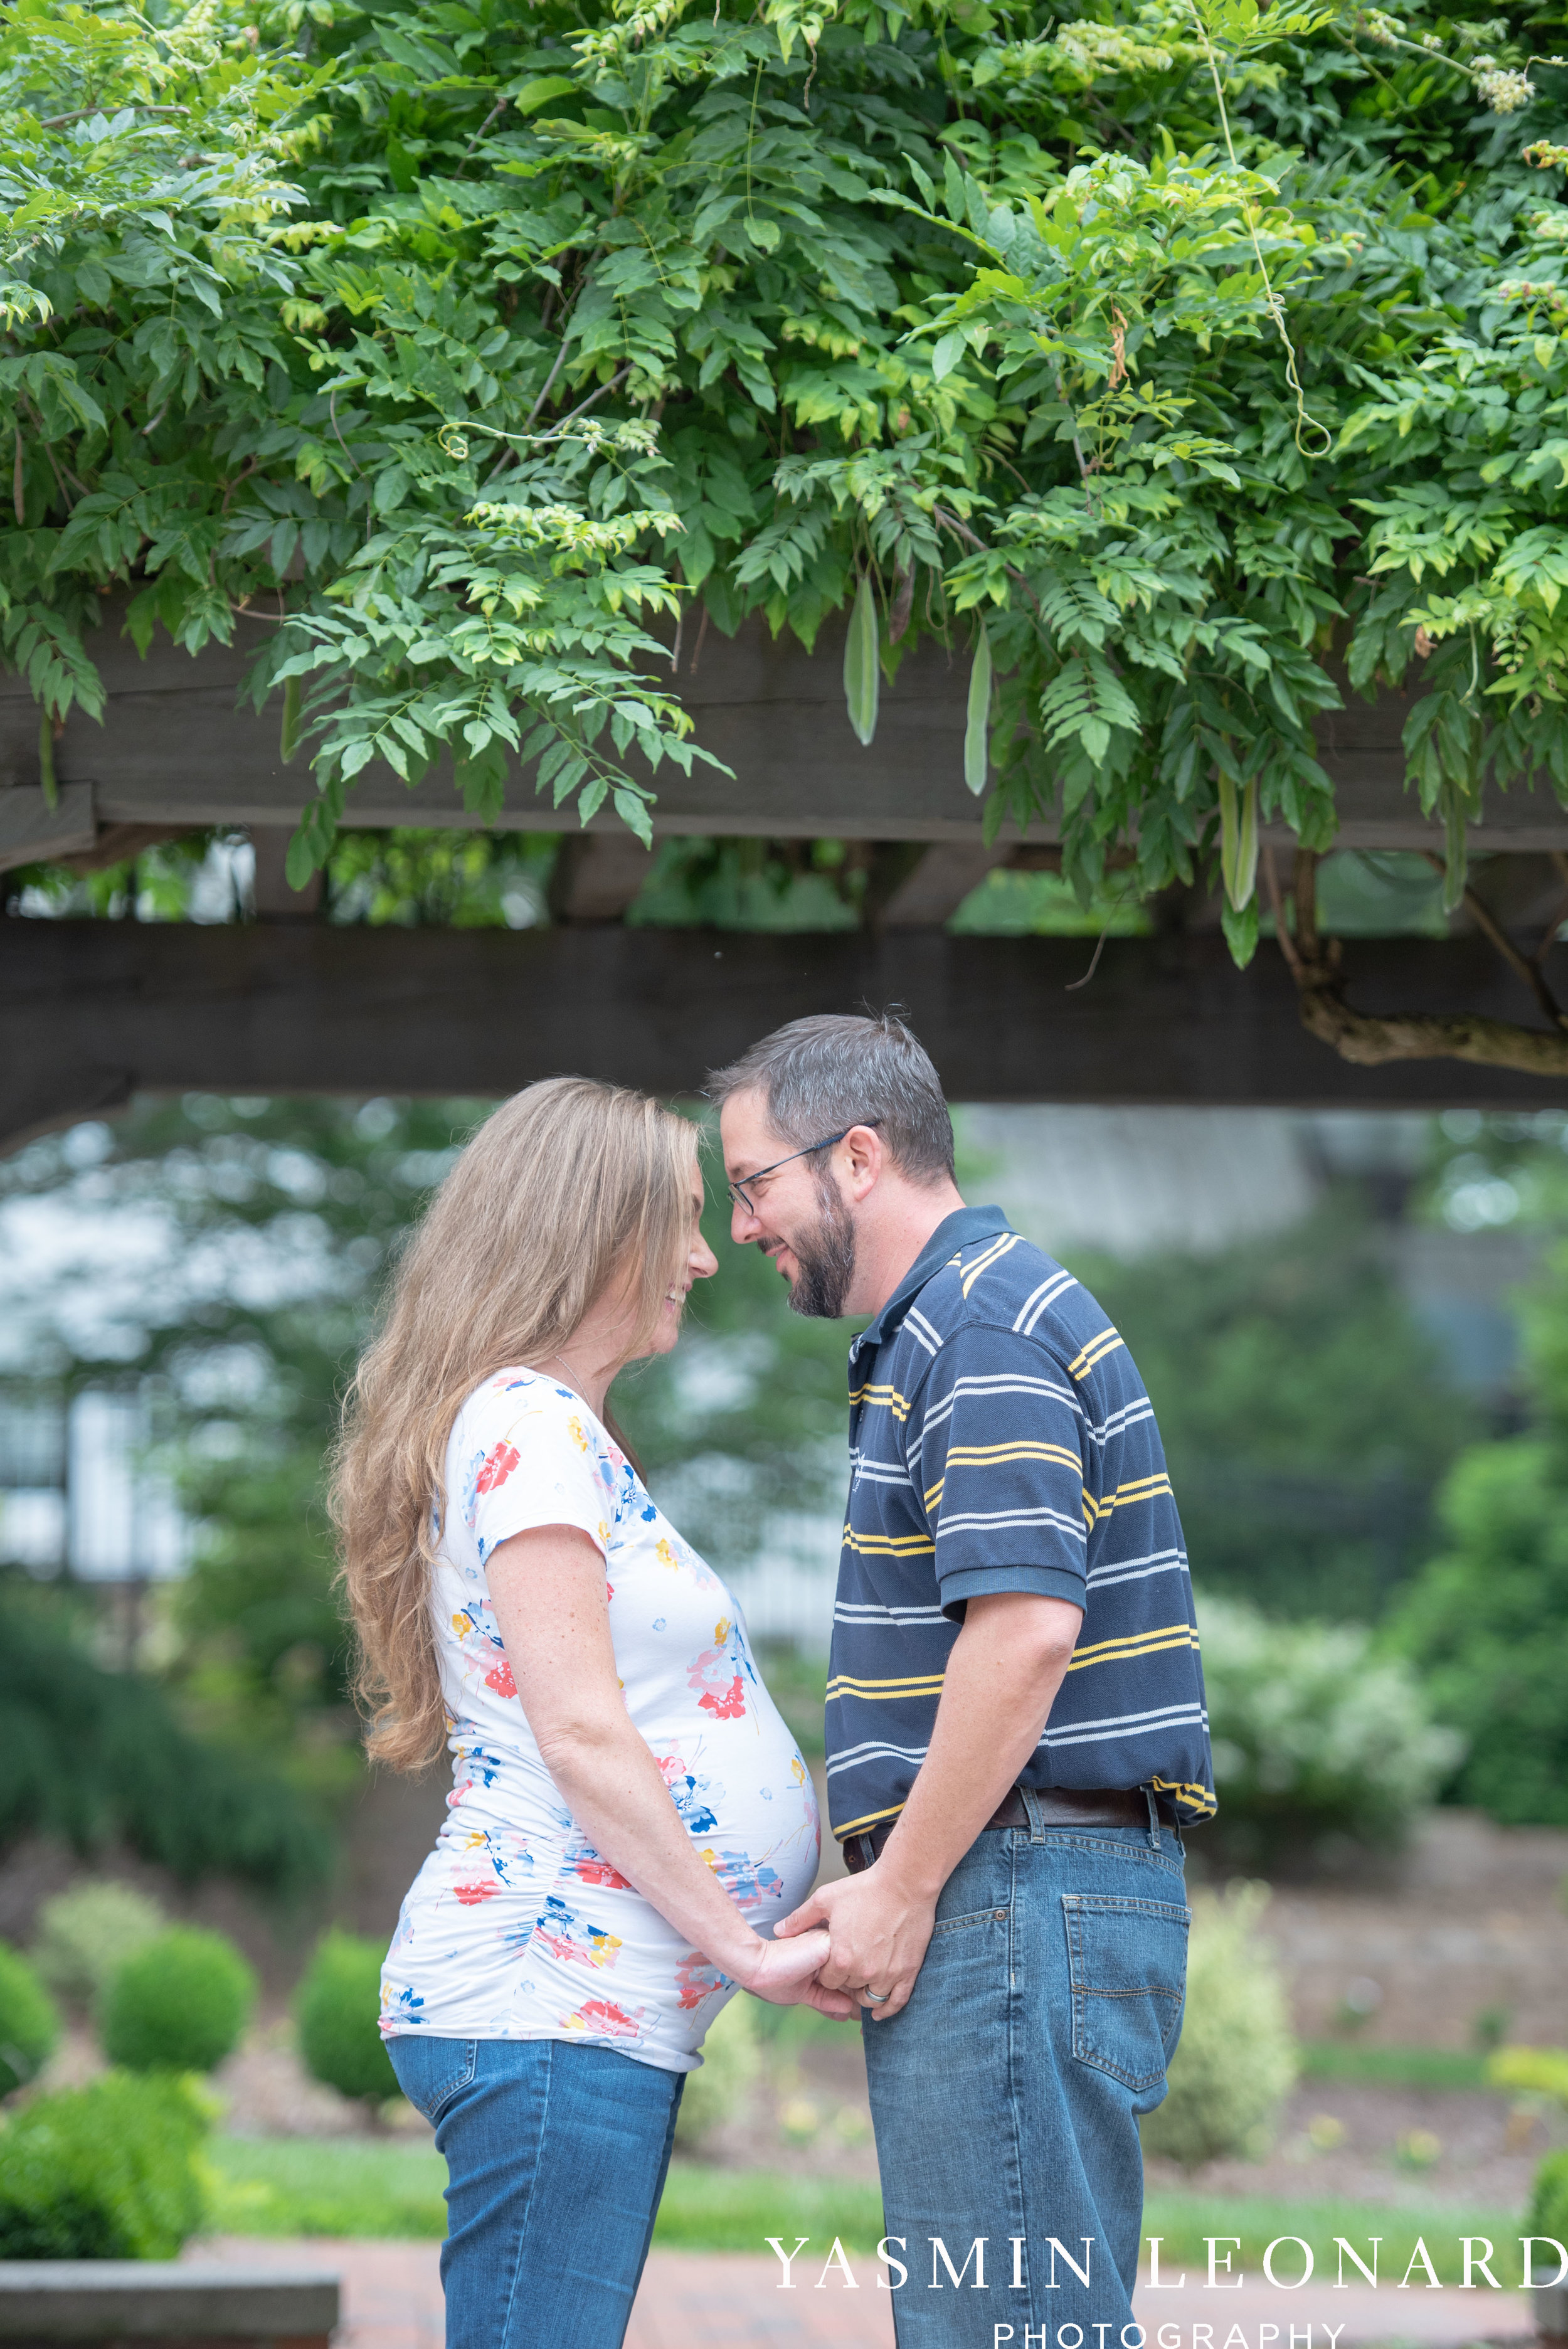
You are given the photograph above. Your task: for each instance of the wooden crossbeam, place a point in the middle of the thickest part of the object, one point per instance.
(176, 750)
(91, 1012)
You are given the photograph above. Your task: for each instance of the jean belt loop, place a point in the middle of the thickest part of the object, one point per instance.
(1032, 1805)
(1153, 1817)
(868, 1850)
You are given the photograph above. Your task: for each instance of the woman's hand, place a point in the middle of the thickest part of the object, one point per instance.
(785, 1974)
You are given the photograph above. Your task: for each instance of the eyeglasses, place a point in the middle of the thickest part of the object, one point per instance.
(738, 1196)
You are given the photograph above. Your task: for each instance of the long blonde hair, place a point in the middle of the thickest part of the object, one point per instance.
(567, 1187)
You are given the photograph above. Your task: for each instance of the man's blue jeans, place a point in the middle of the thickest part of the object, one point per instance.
(1007, 2094)
(556, 2156)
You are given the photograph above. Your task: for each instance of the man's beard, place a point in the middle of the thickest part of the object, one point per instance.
(825, 1259)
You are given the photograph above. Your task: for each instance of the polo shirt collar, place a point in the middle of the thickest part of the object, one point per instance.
(955, 1231)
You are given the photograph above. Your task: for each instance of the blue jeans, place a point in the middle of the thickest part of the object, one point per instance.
(556, 2156)
(1007, 2094)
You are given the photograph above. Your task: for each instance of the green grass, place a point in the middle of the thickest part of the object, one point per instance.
(322, 2185)
(708, 2209)
(1403, 2068)
(325, 2186)
(308, 2186)
(1183, 2221)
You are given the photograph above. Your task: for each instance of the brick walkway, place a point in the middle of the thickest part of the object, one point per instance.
(697, 2300)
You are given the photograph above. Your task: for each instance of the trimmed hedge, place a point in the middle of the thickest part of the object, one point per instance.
(104, 2172)
(337, 2011)
(85, 1936)
(29, 2024)
(179, 2005)
(1549, 2199)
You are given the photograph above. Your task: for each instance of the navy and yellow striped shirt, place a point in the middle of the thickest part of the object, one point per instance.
(1000, 1439)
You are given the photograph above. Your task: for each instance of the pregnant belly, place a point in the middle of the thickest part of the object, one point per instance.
(765, 1851)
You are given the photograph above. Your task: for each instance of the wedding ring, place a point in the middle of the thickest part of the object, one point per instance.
(875, 1996)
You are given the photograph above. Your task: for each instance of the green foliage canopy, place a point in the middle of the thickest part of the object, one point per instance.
(1181, 361)
(94, 1757)
(1486, 1621)
(1304, 1412)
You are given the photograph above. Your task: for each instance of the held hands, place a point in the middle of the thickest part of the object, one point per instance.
(879, 1931)
(786, 1975)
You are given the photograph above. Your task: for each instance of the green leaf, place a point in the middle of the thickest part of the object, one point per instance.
(977, 725)
(288, 734)
(946, 354)
(862, 670)
(633, 813)
(540, 91)
(1239, 839)
(300, 861)
(1241, 928)
(1455, 804)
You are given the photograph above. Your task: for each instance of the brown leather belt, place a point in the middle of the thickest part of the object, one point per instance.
(1060, 1806)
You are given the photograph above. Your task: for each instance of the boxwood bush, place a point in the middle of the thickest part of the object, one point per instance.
(105, 2172)
(29, 2026)
(1236, 2061)
(84, 1937)
(337, 2012)
(730, 2063)
(178, 2004)
(1548, 2213)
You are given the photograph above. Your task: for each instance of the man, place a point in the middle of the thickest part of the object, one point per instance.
(1016, 1720)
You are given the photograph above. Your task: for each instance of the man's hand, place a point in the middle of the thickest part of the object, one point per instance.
(879, 1932)
(1003, 1674)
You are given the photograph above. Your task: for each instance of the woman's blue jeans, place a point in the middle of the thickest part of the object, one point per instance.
(556, 2156)
(1007, 2094)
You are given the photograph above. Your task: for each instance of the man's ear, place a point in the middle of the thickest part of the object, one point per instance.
(866, 1160)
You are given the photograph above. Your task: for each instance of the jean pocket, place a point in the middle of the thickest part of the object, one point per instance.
(946, 1928)
(431, 2070)
(1127, 1963)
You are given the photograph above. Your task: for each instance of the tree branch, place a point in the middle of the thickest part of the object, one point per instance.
(1369, 1039)
(1520, 963)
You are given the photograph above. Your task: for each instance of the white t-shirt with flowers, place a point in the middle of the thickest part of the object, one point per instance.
(515, 1928)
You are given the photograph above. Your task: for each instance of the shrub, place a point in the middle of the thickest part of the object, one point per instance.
(730, 2063)
(94, 1757)
(337, 2011)
(1236, 2061)
(179, 2005)
(85, 1935)
(1318, 1740)
(1536, 2071)
(1486, 1621)
(104, 2172)
(1548, 2213)
(29, 2026)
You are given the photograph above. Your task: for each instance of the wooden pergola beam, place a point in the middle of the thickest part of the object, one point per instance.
(91, 1012)
(175, 749)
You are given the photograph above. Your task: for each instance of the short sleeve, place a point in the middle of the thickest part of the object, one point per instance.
(1001, 1470)
(532, 1455)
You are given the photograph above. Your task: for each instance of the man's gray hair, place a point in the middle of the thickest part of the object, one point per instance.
(822, 1075)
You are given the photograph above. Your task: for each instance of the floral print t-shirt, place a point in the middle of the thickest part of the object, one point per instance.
(515, 1928)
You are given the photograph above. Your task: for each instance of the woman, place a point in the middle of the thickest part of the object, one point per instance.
(629, 1814)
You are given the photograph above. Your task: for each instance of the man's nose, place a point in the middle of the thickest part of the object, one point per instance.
(744, 1223)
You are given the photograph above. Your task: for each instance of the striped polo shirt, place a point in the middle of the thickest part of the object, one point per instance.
(1000, 1439)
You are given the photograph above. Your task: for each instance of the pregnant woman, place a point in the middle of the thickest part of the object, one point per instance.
(629, 1816)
